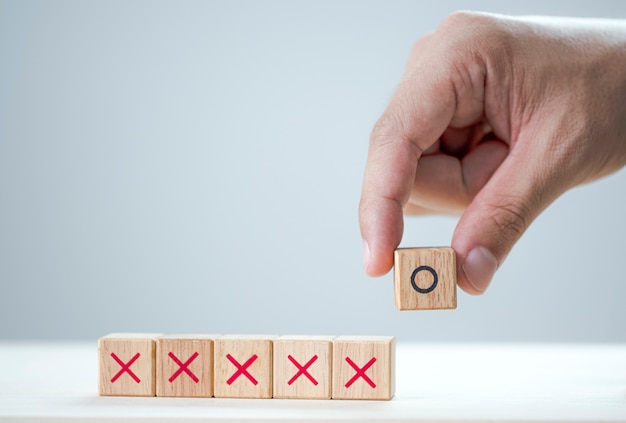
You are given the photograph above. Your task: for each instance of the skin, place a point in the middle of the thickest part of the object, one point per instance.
(494, 118)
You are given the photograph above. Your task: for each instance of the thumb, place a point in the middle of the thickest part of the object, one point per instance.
(498, 216)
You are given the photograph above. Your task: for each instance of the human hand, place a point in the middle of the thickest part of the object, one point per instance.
(494, 118)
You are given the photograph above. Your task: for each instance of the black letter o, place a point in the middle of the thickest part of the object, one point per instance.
(430, 288)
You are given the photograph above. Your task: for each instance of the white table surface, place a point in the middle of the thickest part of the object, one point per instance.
(435, 382)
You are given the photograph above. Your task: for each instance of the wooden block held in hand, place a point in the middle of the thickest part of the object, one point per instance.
(302, 367)
(425, 278)
(126, 364)
(184, 365)
(364, 367)
(243, 366)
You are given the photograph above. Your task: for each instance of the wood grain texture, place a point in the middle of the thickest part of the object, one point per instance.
(126, 364)
(184, 365)
(415, 272)
(509, 382)
(364, 367)
(302, 367)
(243, 366)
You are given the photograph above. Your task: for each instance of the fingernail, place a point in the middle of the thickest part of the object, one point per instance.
(366, 255)
(479, 267)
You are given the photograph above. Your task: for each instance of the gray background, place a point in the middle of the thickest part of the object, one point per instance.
(196, 167)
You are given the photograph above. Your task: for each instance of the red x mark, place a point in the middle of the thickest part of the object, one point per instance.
(125, 368)
(183, 367)
(302, 370)
(360, 372)
(241, 369)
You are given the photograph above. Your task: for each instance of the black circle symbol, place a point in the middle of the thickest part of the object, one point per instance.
(430, 288)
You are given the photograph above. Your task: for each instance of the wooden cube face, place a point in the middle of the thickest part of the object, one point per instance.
(243, 366)
(425, 278)
(364, 367)
(126, 364)
(184, 366)
(302, 367)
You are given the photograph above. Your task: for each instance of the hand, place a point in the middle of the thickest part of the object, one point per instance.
(494, 118)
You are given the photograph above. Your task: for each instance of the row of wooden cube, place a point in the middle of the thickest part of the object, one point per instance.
(247, 366)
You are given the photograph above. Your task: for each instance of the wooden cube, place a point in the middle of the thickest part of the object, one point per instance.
(243, 366)
(425, 278)
(126, 364)
(364, 367)
(184, 365)
(302, 367)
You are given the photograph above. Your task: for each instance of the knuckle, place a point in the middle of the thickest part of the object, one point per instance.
(474, 37)
(460, 18)
(388, 127)
(419, 45)
(463, 20)
(473, 30)
(389, 132)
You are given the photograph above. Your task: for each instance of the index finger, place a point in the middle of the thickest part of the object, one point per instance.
(418, 113)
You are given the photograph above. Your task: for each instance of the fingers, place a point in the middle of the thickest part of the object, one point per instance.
(412, 122)
(443, 86)
(435, 118)
(447, 185)
(498, 216)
